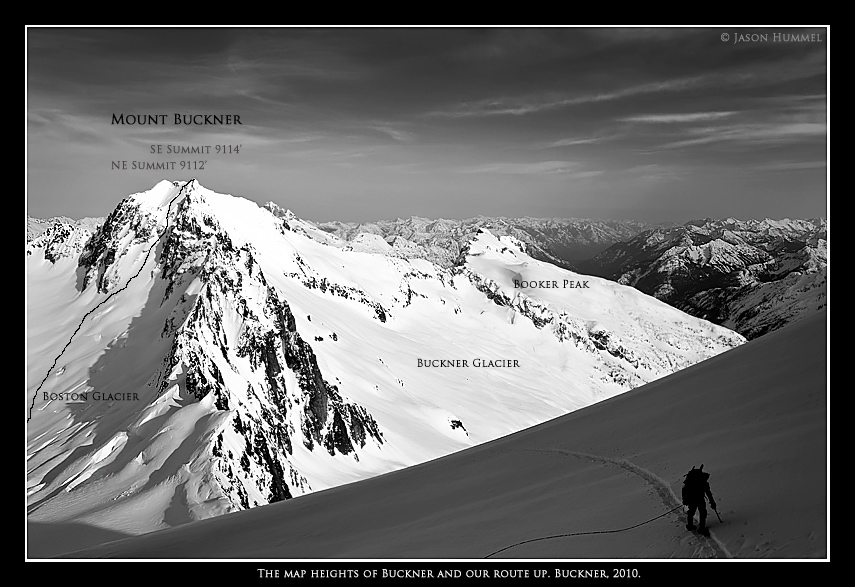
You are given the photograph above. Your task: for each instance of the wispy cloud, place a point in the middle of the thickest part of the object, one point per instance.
(517, 106)
(656, 172)
(569, 168)
(752, 133)
(397, 134)
(573, 141)
(53, 124)
(793, 165)
(678, 118)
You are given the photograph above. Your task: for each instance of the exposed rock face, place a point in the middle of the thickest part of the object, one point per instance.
(37, 226)
(283, 397)
(58, 237)
(126, 227)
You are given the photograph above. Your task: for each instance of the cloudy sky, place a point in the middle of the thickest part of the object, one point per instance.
(656, 124)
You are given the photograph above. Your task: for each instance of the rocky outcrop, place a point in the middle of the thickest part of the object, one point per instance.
(59, 239)
(128, 225)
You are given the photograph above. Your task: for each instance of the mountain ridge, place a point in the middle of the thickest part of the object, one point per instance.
(751, 276)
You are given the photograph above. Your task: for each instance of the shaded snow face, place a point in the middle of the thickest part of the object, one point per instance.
(260, 358)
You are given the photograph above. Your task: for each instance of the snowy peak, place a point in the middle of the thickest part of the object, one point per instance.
(129, 232)
(227, 340)
(503, 249)
(162, 194)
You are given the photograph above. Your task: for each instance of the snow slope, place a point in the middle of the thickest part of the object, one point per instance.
(755, 416)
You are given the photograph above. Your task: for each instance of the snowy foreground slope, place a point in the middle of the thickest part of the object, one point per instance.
(755, 416)
(197, 355)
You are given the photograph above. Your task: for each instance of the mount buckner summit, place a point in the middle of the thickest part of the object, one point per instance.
(260, 357)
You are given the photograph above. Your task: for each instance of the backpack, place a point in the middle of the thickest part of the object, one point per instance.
(694, 484)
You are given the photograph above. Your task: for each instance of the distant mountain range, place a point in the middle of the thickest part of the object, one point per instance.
(562, 241)
(752, 276)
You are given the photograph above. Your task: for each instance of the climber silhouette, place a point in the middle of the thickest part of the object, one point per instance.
(696, 488)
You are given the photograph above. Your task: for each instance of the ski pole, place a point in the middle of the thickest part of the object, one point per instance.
(718, 516)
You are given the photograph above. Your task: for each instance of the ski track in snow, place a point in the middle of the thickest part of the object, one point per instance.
(663, 487)
(107, 299)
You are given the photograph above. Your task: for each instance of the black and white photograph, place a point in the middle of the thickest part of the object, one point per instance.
(427, 302)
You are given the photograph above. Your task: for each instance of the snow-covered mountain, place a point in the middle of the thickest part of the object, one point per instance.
(60, 236)
(561, 241)
(198, 355)
(752, 276)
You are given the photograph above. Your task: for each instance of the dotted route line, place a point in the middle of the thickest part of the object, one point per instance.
(105, 300)
(663, 487)
(584, 533)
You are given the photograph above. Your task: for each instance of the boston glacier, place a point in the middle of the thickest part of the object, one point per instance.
(197, 354)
